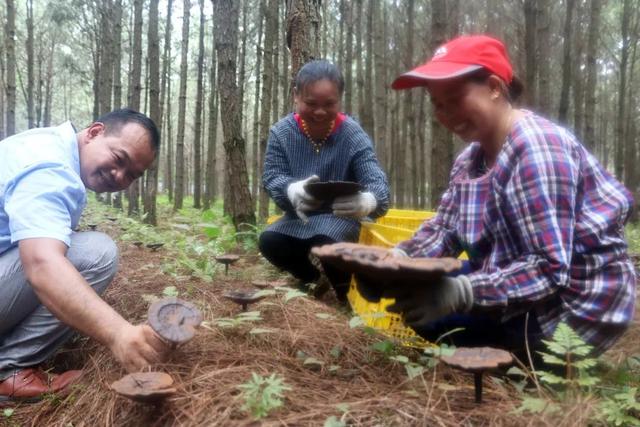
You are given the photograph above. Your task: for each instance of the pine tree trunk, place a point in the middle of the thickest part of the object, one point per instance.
(30, 67)
(10, 47)
(302, 35)
(365, 101)
(271, 17)
(153, 53)
(563, 109)
(197, 156)
(255, 148)
(530, 47)
(226, 15)
(380, 84)
(133, 93)
(212, 146)
(592, 74)
(182, 106)
(165, 86)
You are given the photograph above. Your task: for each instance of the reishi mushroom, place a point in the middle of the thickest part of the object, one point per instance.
(478, 360)
(243, 298)
(174, 320)
(227, 260)
(145, 386)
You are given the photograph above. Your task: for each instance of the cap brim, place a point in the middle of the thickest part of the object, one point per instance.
(420, 76)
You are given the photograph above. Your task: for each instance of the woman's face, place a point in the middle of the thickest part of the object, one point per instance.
(318, 103)
(468, 109)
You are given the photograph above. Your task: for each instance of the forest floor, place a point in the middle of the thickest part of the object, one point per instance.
(336, 374)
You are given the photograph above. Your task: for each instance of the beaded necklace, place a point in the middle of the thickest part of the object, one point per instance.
(316, 145)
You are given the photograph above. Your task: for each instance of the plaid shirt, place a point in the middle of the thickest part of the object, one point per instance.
(544, 230)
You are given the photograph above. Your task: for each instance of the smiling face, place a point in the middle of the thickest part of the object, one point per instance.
(318, 103)
(110, 161)
(472, 110)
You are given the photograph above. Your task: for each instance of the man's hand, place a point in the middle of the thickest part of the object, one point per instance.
(355, 206)
(423, 303)
(302, 201)
(138, 346)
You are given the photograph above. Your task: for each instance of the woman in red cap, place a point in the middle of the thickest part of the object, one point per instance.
(541, 220)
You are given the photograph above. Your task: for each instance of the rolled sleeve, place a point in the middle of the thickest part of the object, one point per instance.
(45, 201)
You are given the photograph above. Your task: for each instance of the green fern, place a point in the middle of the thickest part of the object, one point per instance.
(568, 350)
(262, 395)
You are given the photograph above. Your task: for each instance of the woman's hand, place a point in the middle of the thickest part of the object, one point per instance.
(302, 201)
(355, 206)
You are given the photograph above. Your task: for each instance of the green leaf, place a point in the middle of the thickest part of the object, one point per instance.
(343, 407)
(400, 358)
(385, 346)
(8, 412)
(551, 359)
(356, 321)
(333, 421)
(537, 406)
(514, 370)
(170, 291)
(324, 316)
(294, 293)
(413, 370)
(336, 351)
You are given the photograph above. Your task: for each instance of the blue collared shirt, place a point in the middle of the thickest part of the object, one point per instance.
(41, 192)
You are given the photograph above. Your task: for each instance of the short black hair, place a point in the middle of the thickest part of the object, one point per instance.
(319, 69)
(114, 120)
(514, 90)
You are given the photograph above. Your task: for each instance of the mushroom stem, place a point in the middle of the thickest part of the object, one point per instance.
(226, 269)
(477, 378)
(244, 306)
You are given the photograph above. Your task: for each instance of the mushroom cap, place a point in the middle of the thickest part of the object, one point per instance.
(227, 258)
(144, 386)
(478, 358)
(377, 264)
(243, 297)
(155, 245)
(137, 243)
(174, 320)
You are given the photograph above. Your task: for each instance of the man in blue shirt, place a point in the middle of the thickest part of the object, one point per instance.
(51, 277)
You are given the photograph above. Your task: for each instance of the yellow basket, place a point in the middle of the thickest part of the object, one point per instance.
(386, 235)
(405, 219)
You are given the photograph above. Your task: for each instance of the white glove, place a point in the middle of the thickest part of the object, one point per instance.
(424, 303)
(302, 201)
(398, 253)
(355, 206)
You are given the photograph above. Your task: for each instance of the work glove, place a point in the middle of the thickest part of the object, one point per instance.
(355, 206)
(302, 201)
(423, 303)
(370, 288)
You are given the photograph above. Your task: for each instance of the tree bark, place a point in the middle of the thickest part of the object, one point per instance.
(303, 21)
(182, 106)
(30, 67)
(563, 109)
(134, 91)
(10, 46)
(212, 146)
(592, 74)
(197, 156)
(153, 53)
(165, 89)
(226, 15)
(530, 47)
(255, 149)
(271, 16)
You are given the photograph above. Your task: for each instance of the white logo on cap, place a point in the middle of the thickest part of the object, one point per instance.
(441, 51)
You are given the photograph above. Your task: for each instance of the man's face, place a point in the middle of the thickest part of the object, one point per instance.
(112, 162)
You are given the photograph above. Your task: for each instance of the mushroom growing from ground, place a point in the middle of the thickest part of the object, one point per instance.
(144, 386)
(174, 320)
(227, 260)
(243, 298)
(92, 226)
(137, 244)
(478, 360)
(155, 246)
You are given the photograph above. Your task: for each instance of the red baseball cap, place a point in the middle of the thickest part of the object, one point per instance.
(458, 57)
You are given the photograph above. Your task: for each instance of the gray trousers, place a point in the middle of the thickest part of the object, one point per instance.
(29, 333)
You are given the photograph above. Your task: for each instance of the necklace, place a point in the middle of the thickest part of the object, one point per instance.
(317, 144)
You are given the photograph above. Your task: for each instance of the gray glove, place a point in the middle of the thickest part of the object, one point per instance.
(424, 303)
(302, 201)
(355, 206)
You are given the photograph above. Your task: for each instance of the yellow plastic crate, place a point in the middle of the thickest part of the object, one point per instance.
(405, 219)
(375, 315)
